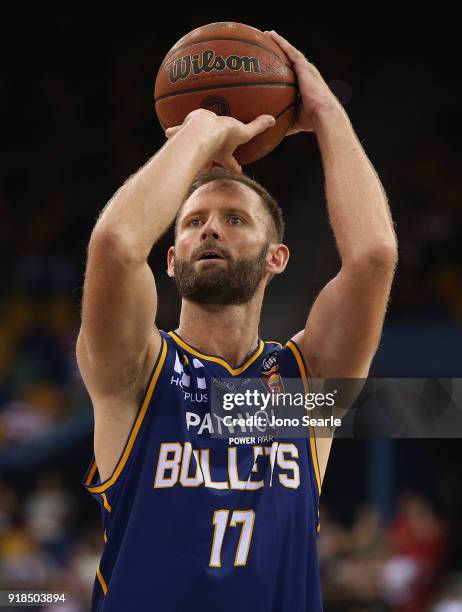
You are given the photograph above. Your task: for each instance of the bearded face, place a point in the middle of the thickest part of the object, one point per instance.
(212, 276)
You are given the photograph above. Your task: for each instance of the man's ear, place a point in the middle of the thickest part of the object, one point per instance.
(171, 262)
(277, 258)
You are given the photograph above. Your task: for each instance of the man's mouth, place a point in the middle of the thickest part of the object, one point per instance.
(210, 254)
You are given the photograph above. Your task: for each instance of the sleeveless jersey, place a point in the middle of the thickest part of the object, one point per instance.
(193, 522)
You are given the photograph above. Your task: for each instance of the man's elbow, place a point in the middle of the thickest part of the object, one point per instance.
(113, 245)
(378, 259)
(385, 255)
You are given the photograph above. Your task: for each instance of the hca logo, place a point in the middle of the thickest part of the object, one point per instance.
(207, 61)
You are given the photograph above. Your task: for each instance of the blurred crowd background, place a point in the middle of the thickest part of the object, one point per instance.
(78, 120)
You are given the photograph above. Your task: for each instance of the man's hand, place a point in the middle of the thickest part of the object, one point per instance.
(229, 132)
(314, 91)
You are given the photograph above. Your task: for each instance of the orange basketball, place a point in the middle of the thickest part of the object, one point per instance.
(231, 69)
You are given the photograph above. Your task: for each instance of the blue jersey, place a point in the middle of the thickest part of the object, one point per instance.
(194, 522)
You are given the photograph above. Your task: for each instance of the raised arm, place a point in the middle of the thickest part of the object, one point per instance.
(345, 323)
(118, 336)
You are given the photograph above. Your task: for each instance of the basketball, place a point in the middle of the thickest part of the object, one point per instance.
(231, 69)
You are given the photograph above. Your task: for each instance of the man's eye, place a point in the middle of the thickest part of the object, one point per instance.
(235, 220)
(195, 222)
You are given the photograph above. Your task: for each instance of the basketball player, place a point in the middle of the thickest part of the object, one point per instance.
(192, 522)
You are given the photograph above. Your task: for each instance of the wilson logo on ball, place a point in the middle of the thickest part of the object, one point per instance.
(206, 62)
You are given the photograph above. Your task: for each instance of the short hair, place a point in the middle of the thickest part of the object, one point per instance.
(221, 174)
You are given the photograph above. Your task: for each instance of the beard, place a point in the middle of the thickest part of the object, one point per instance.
(232, 282)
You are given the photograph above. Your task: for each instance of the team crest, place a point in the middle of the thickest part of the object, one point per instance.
(270, 375)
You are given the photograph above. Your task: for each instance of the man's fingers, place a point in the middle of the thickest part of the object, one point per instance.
(260, 124)
(292, 53)
(169, 132)
(208, 166)
(230, 163)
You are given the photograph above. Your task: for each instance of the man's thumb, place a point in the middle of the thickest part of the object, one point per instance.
(262, 123)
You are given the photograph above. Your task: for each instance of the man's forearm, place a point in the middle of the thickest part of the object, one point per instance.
(357, 203)
(144, 207)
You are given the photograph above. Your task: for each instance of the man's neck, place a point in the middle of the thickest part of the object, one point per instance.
(229, 332)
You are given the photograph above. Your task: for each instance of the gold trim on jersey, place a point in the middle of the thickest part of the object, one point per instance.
(301, 364)
(91, 473)
(219, 360)
(107, 505)
(101, 581)
(134, 432)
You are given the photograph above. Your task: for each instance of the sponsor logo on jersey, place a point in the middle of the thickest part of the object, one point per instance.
(190, 377)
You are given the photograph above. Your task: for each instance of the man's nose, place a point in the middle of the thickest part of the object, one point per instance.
(210, 230)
